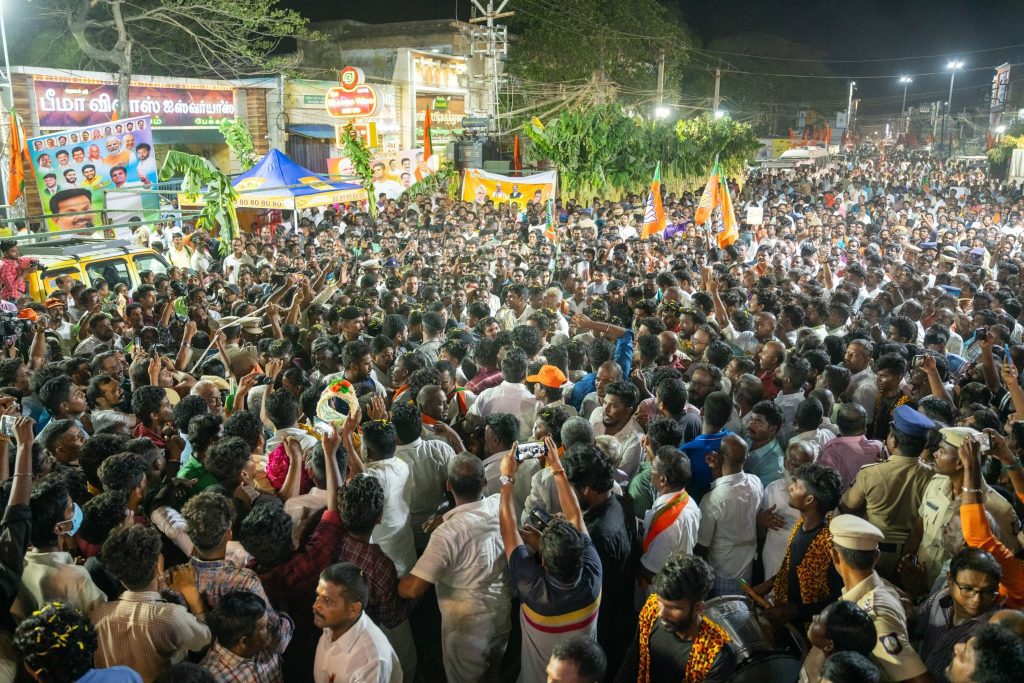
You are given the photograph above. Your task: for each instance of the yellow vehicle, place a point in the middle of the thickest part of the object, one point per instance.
(88, 260)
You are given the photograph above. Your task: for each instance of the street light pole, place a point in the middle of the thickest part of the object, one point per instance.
(952, 66)
(849, 106)
(906, 81)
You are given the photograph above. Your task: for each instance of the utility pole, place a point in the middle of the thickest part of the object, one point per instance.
(849, 108)
(906, 81)
(491, 41)
(717, 99)
(661, 79)
(952, 66)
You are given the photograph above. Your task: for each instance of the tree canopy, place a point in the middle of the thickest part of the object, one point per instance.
(213, 38)
(617, 43)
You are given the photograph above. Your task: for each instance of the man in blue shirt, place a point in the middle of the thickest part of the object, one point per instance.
(717, 411)
(766, 456)
(623, 354)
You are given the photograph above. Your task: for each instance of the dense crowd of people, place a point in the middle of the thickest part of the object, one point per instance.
(431, 444)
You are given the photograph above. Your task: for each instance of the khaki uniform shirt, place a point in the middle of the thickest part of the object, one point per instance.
(890, 492)
(938, 510)
(895, 658)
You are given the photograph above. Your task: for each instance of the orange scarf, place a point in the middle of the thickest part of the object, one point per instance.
(664, 517)
(460, 400)
(811, 573)
(709, 642)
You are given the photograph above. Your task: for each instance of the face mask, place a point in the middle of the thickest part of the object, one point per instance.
(76, 520)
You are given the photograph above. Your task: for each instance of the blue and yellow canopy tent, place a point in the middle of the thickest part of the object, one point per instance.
(277, 182)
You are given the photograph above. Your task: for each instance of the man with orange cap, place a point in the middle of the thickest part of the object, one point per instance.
(549, 388)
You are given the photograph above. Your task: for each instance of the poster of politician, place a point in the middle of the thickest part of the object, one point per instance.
(479, 186)
(393, 172)
(97, 167)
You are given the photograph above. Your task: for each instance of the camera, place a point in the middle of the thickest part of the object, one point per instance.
(11, 326)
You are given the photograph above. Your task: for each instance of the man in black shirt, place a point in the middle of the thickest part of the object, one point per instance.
(674, 640)
(591, 475)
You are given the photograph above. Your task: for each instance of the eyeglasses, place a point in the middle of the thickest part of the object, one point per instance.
(970, 592)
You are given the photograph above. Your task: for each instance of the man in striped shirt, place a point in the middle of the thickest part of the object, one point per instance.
(561, 596)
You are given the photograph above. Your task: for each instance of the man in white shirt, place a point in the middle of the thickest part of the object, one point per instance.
(283, 412)
(234, 261)
(393, 534)
(615, 418)
(671, 526)
(727, 536)
(511, 396)
(428, 462)
(776, 514)
(465, 560)
(862, 389)
(352, 648)
(179, 255)
(807, 426)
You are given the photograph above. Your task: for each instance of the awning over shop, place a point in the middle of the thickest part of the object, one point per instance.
(317, 131)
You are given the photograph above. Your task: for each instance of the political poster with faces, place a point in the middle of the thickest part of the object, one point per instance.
(97, 167)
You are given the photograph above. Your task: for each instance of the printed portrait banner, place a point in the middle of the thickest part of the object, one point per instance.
(82, 102)
(479, 185)
(393, 172)
(87, 167)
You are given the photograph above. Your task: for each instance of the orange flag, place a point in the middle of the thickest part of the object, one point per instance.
(709, 199)
(18, 154)
(730, 232)
(427, 146)
(654, 212)
(517, 159)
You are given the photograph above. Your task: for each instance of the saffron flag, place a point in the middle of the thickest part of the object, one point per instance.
(654, 212)
(730, 231)
(517, 159)
(427, 146)
(549, 224)
(709, 199)
(18, 154)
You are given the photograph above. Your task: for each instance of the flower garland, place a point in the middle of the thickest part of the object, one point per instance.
(903, 398)
(811, 573)
(709, 642)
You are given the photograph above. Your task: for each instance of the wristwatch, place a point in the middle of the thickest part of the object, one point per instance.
(506, 480)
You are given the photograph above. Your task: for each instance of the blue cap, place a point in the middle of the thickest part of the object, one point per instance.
(925, 246)
(950, 289)
(910, 421)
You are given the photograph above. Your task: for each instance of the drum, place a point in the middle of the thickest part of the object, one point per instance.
(763, 652)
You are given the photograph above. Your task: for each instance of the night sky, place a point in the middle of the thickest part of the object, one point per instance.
(919, 36)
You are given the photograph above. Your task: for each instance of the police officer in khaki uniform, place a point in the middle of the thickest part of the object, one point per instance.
(889, 493)
(855, 545)
(939, 512)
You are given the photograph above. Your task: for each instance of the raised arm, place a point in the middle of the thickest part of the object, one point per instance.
(291, 486)
(22, 485)
(330, 443)
(566, 496)
(185, 352)
(607, 329)
(721, 314)
(506, 511)
(1008, 371)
